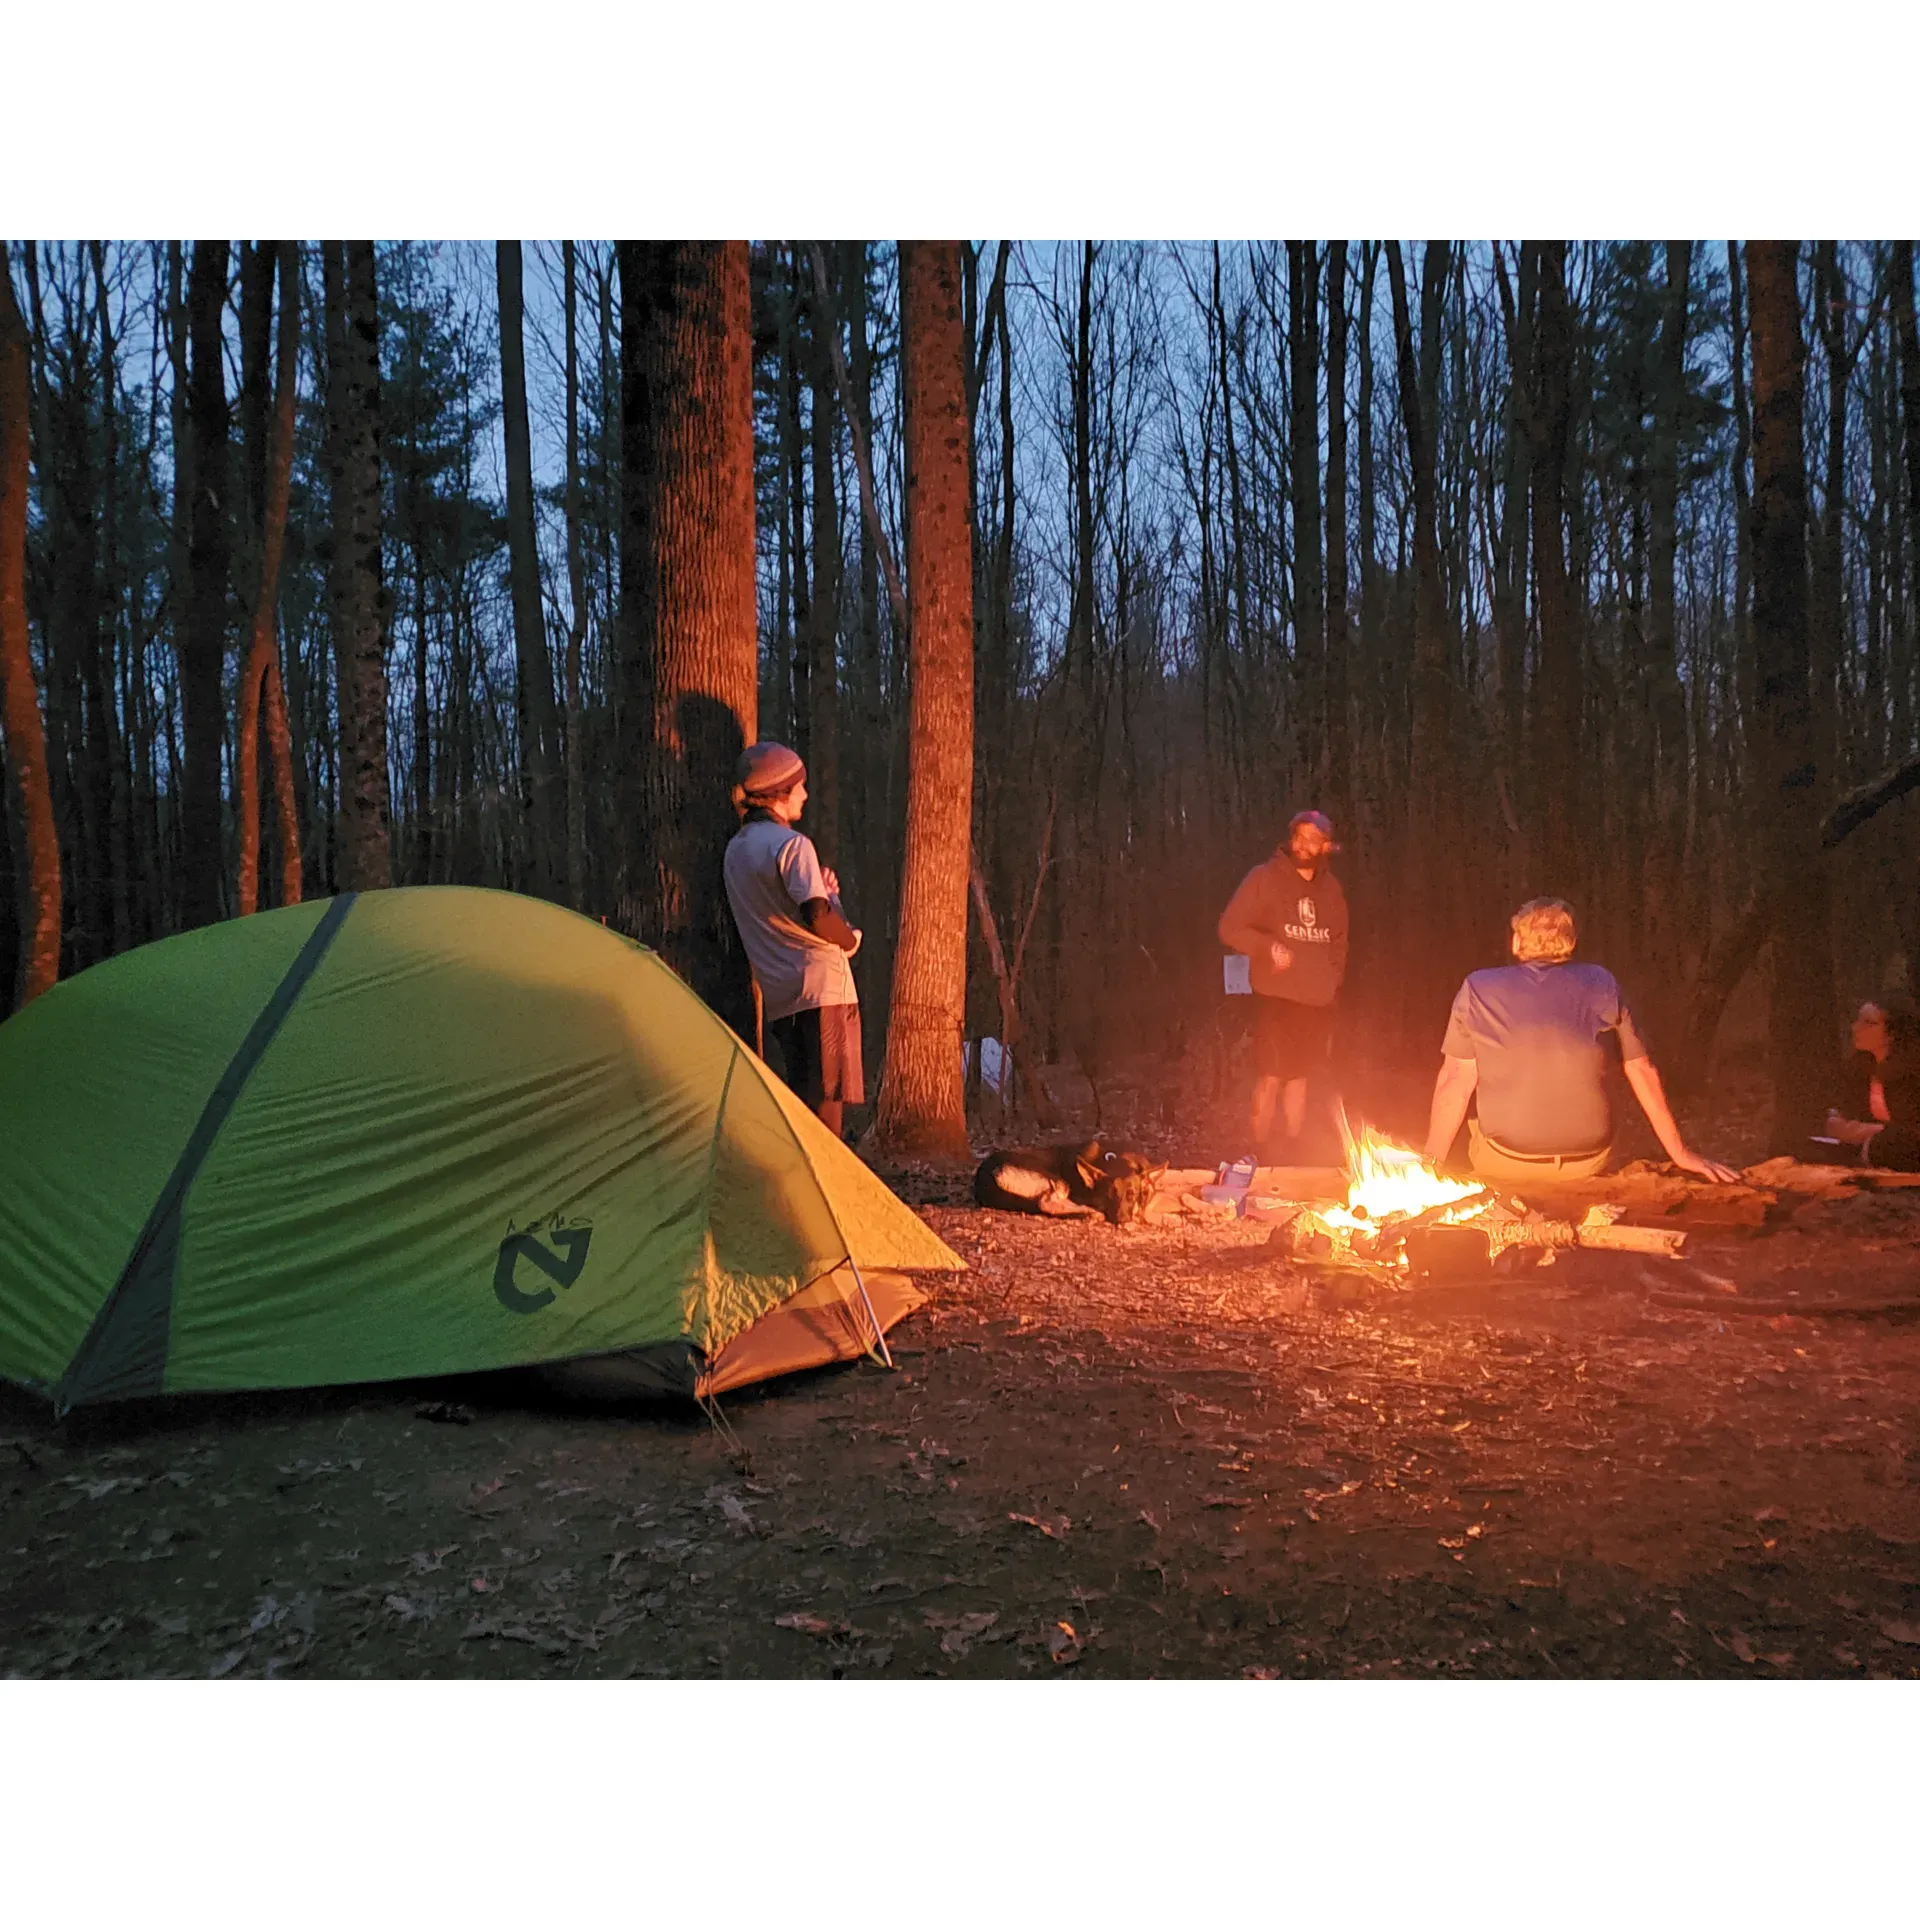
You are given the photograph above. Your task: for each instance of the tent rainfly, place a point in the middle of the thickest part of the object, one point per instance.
(423, 1131)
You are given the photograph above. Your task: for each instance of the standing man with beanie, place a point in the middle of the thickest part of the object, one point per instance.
(788, 910)
(1289, 917)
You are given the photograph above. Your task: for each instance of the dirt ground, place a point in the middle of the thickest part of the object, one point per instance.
(1103, 1452)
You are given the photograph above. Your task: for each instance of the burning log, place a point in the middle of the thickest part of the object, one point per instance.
(1454, 1250)
(1400, 1211)
(1308, 1234)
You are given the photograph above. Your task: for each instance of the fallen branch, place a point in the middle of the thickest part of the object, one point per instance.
(1729, 961)
(1858, 807)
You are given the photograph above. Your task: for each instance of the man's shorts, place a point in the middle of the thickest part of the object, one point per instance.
(820, 1054)
(1290, 1042)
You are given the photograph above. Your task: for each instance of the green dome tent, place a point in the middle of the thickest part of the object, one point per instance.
(427, 1131)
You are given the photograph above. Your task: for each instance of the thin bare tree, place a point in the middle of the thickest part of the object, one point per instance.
(359, 592)
(539, 724)
(203, 645)
(260, 674)
(922, 1099)
(1800, 1021)
(26, 740)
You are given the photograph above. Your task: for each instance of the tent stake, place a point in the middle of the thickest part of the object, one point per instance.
(886, 1358)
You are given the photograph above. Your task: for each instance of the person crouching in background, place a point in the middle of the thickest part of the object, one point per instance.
(1882, 1112)
(787, 906)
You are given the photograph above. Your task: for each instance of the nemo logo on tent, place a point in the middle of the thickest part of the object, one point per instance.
(562, 1262)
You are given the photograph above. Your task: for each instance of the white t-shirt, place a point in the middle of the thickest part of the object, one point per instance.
(771, 870)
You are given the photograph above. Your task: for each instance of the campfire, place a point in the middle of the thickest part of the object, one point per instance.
(1402, 1215)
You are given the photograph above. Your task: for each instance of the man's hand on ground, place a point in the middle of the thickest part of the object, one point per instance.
(1706, 1169)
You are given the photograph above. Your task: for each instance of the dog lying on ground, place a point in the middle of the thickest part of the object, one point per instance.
(1070, 1182)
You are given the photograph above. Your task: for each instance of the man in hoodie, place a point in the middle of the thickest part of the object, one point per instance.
(1289, 917)
(787, 906)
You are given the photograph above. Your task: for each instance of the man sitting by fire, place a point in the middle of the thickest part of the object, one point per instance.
(1527, 1039)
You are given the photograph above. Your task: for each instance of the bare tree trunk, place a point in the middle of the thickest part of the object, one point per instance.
(26, 739)
(922, 1103)
(1828, 612)
(539, 727)
(823, 628)
(359, 593)
(1900, 270)
(1303, 342)
(1510, 580)
(793, 662)
(262, 666)
(1907, 331)
(1368, 501)
(577, 597)
(1339, 630)
(1556, 724)
(1669, 703)
(204, 633)
(1431, 688)
(1801, 1019)
(879, 868)
(689, 655)
(112, 594)
(1666, 913)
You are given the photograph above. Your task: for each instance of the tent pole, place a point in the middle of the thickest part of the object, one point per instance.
(886, 1358)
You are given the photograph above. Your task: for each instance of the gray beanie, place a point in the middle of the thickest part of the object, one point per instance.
(767, 769)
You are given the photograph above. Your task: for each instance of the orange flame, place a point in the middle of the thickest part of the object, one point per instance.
(1386, 1181)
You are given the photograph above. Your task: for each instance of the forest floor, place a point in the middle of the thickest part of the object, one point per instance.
(1103, 1452)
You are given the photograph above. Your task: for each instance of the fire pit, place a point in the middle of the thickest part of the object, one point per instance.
(1402, 1216)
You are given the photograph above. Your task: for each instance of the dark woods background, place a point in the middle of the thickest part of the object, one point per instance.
(1543, 567)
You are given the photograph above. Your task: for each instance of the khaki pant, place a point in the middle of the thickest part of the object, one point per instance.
(1502, 1169)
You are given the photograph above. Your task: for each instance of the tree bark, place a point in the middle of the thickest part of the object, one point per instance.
(1666, 918)
(1801, 1017)
(878, 838)
(1510, 583)
(1669, 703)
(112, 761)
(364, 858)
(1907, 333)
(203, 645)
(1303, 345)
(688, 647)
(1827, 615)
(1338, 628)
(26, 739)
(260, 674)
(539, 726)
(1556, 725)
(823, 626)
(576, 596)
(1900, 268)
(1368, 529)
(1431, 689)
(922, 1112)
